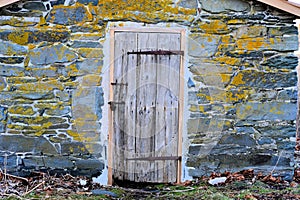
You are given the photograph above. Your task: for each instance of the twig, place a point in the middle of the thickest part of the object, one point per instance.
(13, 176)
(176, 191)
(33, 188)
(276, 163)
(10, 195)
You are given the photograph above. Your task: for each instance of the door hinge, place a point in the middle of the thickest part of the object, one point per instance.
(126, 84)
(158, 52)
(157, 158)
(114, 103)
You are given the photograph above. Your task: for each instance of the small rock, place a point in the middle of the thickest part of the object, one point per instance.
(103, 192)
(217, 180)
(82, 182)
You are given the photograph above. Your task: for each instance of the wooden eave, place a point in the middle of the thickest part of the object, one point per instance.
(283, 5)
(7, 2)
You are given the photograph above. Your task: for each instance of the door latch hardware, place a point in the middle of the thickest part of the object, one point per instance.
(157, 158)
(114, 103)
(158, 52)
(126, 84)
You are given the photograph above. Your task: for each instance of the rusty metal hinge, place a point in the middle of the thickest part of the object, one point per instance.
(126, 84)
(158, 52)
(157, 158)
(113, 104)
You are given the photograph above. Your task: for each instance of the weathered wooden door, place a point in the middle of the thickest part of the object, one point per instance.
(145, 106)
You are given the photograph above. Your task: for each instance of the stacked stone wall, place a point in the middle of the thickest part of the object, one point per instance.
(241, 93)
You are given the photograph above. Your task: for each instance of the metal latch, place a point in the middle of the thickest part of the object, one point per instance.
(126, 84)
(113, 104)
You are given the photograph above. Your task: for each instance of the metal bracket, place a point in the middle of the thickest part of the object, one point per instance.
(157, 158)
(113, 104)
(126, 84)
(158, 52)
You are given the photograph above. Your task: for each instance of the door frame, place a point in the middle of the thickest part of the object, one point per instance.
(181, 91)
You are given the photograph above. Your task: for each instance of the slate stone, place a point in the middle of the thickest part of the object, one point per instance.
(188, 4)
(46, 72)
(278, 132)
(71, 148)
(33, 95)
(201, 45)
(218, 6)
(3, 83)
(52, 54)
(34, 36)
(19, 143)
(40, 120)
(58, 162)
(84, 44)
(104, 192)
(285, 43)
(259, 79)
(61, 111)
(89, 66)
(265, 140)
(238, 139)
(57, 2)
(289, 61)
(60, 126)
(288, 94)
(11, 70)
(89, 164)
(99, 102)
(34, 6)
(266, 111)
(87, 2)
(68, 15)
(11, 60)
(263, 95)
(3, 116)
(208, 125)
(8, 48)
(284, 30)
(11, 160)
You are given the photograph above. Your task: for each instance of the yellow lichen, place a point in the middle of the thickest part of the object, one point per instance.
(21, 110)
(238, 80)
(19, 37)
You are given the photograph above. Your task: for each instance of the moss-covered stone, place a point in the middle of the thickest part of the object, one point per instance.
(68, 15)
(21, 110)
(52, 54)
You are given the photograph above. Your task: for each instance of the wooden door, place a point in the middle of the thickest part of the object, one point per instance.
(145, 106)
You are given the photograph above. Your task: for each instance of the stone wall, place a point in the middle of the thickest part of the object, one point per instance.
(244, 105)
(241, 89)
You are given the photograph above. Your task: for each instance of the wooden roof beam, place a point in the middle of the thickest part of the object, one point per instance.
(7, 2)
(283, 5)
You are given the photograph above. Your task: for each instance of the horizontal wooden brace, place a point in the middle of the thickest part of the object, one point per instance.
(158, 52)
(157, 158)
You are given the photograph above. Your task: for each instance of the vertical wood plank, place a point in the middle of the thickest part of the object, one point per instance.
(146, 93)
(110, 113)
(168, 95)
(181, 105)
(130, 111)
(124, 42)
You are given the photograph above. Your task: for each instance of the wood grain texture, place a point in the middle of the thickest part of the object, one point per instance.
(146, 125)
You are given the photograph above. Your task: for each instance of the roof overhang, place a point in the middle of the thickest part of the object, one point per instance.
(291, 6)
(6, 2)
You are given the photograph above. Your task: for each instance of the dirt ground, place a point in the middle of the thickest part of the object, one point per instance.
(240, 185)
